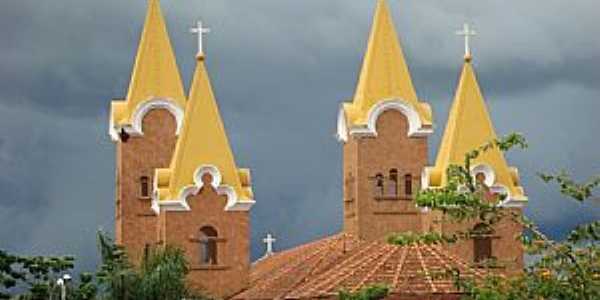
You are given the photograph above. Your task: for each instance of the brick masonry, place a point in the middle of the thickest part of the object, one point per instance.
(371, 217)
(138, 227)
(140, 156)
(367, 215)
(182, 229)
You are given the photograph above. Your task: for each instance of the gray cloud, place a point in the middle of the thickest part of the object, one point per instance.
(280, 70)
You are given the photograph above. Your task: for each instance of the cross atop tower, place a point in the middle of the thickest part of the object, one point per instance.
(467, 32)
(200, 31)
(269, 241)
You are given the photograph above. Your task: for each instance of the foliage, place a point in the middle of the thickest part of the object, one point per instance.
(568, 269)
(373, 292)
(577, 191)
(409, 238)
(38, 274)
(160, 277)
(116, 277)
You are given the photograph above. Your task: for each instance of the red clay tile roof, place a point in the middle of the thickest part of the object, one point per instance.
(324, 267)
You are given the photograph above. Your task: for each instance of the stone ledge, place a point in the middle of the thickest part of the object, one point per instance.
(387, 212)
(393, 198)
(210, 268)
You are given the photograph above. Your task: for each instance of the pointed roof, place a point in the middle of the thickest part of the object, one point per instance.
(384, 74)
(155, 73)
(469, 127)
(202, 143)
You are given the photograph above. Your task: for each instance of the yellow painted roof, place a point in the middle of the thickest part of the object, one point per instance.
(384, 74)
(469, 127)
(202, 141)
(155, 73)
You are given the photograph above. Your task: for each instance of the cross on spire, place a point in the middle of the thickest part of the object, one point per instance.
(200, 31)
(467, 32)
(269, 241)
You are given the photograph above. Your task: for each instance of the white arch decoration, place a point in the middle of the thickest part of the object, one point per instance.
(180, 204)
(136, 128)
(415, 126)
(490, 180)
(490, 175)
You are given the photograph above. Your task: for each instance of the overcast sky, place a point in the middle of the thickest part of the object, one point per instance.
(279, 70)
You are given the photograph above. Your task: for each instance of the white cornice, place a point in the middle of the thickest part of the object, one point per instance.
(136, 127)
(180, 204)
(490, 180)
(415, 126)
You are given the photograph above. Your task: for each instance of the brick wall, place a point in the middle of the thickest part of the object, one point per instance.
(140, 156)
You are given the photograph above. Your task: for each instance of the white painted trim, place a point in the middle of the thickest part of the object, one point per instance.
(425, 177)
(510, 201)
(342, 128)
(415, 125)
(180, 204)
(514, 202)
(135, 129)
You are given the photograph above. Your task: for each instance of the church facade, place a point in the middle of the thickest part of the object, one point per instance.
(178, 184)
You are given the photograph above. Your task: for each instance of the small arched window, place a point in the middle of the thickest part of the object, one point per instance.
(482, 242)
(393, 183)
(480, 178)
(379, 184)
(208, 246)
(144, 187)
(408, 188)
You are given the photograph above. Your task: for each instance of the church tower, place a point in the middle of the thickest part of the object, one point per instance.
(203, 199)
(384, 134)
(469, 127)
(144, 127)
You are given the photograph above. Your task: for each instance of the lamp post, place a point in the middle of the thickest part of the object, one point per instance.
(62, 283)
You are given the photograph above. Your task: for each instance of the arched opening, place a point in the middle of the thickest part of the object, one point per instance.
(482, 242)
(408, 188)
(208, 245)
(393, 183)
(144, 187)
(379, 182)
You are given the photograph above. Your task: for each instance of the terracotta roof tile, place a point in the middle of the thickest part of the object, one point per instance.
(324, 267)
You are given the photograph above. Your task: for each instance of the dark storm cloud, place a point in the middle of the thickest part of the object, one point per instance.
(279, 70)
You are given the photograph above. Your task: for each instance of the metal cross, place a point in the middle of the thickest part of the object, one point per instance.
(269, 240)
(467, 32)
(200, 31)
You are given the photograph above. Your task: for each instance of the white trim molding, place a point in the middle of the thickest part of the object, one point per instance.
(135, 129)
(425, 177)
(180, 204)
(342, 128)
(490, 180)
(415, 125)
(511, 201)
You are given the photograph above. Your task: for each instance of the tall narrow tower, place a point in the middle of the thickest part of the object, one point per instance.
(469, 127)
(203, 199)
(144, 127)
(384, 133)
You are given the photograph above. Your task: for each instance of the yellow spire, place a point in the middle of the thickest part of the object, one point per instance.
(384, 74)
(155, 73)
(469, 126)
(202, 143)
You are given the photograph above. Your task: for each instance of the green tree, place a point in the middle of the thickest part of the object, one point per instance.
(160, 277)
(38, 275)
(568, 269)
(373, 292)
